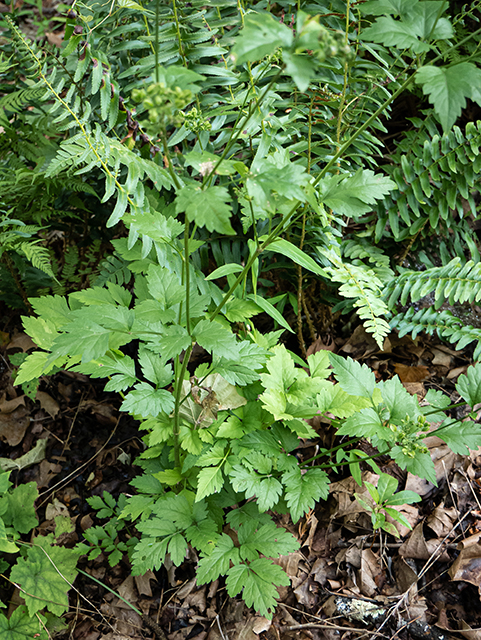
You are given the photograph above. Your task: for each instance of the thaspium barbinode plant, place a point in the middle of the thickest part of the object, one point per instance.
(222, 427)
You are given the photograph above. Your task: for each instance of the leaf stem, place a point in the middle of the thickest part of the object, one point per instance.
(187, 275)
(178, 393)
(156, 41)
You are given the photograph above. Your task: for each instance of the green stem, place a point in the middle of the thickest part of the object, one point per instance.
(187, 275)
(178, 393)
(102, 584)
(331, 451)
(282, 226)
(344, 88)
(237, 129)
(177, 26)
(330, 465)
(451, 406)
(145, 618)
(157, 41)
(169, 161)
(382, 108)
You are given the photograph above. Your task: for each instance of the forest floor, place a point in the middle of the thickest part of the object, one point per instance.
(346, 580)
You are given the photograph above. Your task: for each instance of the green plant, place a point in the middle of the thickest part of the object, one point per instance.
(18, 248)
(384, 498)
(104, 539)
(222, 434)
(43, 572)
(226, 434)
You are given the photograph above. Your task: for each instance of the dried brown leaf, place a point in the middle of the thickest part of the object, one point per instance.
(8, 406)
(411, 374)
(369, 573)
(48, 404)
(143, 583)
(442, 520)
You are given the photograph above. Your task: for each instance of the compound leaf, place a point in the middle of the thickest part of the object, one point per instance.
(304, 490)
(262, 35)
(469, 385)
(146, 401)
(206, 207)
(217, 340)
(217, 563)
(257, 581)
(21, 626)
(354, 378)
(460, 436)
(210, 480)
(448, 88)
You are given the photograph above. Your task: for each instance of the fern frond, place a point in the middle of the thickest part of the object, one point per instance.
(361, 249)
(454, 282)
(113, 269)
(15, 101)
(360, 284)
(435, 174)
(37, 255)
(444, 323)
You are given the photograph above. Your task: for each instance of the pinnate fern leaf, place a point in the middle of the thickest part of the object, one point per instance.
(444, 323)
(359, 283)
(454, 282)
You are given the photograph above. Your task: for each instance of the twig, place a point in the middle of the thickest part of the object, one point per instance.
(224, 636)
(318, 625)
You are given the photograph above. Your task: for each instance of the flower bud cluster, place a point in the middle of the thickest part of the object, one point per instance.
(163, 103)
(195, 121)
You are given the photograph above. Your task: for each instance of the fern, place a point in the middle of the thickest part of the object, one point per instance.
(15, 101)
(360, 284)
(444, 323)
(113, 269)
(93, 149)
(435, 174)
(454, 282)
(37, 255)
(15, 237)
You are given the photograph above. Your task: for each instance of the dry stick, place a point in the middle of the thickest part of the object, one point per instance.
(77, 471)
(309, 315)
(72, 425)
(224, 636)
(423, 571)
(300, 294)
(389, 545)
(145, 618)
(300, 337)
(335, 627)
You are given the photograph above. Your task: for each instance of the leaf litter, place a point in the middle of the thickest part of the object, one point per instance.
(345, 579)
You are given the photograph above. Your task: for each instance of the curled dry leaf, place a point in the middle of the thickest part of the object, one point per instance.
(442, 520)
(467, 566)
(369, 573)
(21, 341)
(344, 492)
(143, 583)
(419, 548)
(411, 374)
(441, 358)
(30, 458)
(56, 508)
(48, 404)
(410, 512)
(8, 406)
(13, 426)
(470, 634)
(404, 573)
